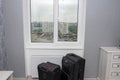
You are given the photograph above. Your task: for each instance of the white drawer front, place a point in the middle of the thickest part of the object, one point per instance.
(114, 74)
(115, 65)
(116, 56)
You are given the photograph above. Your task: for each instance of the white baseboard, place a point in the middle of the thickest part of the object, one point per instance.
(90, 79)
(98, 78)
(19, 78)
(84, 79)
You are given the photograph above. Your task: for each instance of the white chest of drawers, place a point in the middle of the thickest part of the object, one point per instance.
(109, 67)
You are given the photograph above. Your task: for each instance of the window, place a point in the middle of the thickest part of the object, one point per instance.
(54, 23)
(68, 20)
(42, 22)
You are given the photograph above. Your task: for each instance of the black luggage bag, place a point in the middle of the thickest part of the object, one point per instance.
(73, 67)
(48, 71)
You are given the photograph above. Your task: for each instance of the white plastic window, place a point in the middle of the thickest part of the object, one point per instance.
(54, 23)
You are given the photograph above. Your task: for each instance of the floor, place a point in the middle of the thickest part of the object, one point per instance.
(28, 78)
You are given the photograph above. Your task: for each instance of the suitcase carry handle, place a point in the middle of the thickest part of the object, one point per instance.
(45, 70)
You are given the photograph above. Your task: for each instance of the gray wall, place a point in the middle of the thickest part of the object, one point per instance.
(102, 29)
(14, 36)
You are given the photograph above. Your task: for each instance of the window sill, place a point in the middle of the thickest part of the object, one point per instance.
(55, 47)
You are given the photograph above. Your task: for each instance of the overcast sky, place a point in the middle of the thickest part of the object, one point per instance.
(42, 10)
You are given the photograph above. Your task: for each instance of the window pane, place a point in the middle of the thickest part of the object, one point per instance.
(67, 25)
(42, 25)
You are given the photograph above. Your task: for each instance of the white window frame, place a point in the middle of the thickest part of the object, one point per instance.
(55, 45)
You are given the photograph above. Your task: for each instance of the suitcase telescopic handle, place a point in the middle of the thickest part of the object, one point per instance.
(67, 75)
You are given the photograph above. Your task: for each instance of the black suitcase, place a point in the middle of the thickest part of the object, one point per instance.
(48, 71)
(73, 67)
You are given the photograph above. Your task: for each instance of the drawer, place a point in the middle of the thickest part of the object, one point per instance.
(115, 74)
(116, 65)
(115, 56)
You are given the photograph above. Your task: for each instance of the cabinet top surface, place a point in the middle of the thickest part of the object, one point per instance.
(111, 49)
(4, 75)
